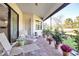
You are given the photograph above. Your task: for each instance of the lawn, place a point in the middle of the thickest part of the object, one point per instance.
(70, 42)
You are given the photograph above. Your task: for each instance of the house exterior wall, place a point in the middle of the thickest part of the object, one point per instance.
(30, 25)
(16, 8)
(39, 32)
(26, 21)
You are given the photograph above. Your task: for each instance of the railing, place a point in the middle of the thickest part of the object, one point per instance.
(74, 53)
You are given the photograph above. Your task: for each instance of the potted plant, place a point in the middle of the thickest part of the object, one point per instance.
(49, 39)
(57, 37)
(46, 32)
(20, 41)
(66, 49)
(47, 35)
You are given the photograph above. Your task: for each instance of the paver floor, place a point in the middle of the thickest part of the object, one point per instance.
(45, 49)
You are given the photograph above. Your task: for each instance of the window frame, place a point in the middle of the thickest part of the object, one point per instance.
(38, 25)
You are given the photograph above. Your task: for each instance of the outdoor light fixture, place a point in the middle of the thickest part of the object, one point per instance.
(36, 4)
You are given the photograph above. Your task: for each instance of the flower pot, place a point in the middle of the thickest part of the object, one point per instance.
(65, 53)
(49, 40)
(56, 46)
(66, 49)
(21, 42)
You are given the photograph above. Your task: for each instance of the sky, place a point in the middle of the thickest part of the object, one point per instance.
(70, 11)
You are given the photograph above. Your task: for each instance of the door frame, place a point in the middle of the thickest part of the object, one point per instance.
(9, 20)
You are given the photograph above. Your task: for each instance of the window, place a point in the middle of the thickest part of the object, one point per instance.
(38, 25)
(4, 19)
(14, 25)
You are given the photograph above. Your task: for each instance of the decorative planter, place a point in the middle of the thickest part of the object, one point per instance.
(65, 53)
(49, 40)
(66, 50)
(56, 46)
(21, 42)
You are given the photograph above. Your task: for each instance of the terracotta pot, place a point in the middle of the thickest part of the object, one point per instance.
(65, 53)
(56, 46)
(49, 40)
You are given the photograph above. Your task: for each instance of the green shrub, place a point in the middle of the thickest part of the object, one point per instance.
(47, 31)
(57, 36)
(77, 39)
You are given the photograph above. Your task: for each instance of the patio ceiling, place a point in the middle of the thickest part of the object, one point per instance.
(41, 9)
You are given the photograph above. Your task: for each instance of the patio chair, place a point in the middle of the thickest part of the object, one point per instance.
(1, 50)
(9, 49)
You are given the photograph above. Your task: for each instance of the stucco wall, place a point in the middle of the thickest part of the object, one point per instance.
(26, 21)
(30, 25)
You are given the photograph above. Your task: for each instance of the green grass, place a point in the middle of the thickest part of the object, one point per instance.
(70, 42)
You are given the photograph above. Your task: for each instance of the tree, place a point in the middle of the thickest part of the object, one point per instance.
(75, 24)
(68, 23)
(77, 21)
(77, 18)
(58, 21)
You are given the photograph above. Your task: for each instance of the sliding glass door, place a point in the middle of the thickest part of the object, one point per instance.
(14, 26)
(9, 22)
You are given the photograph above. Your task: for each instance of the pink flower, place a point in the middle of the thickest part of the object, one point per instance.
(66, 48)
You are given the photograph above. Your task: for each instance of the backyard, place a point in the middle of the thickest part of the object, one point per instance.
(63, 23)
